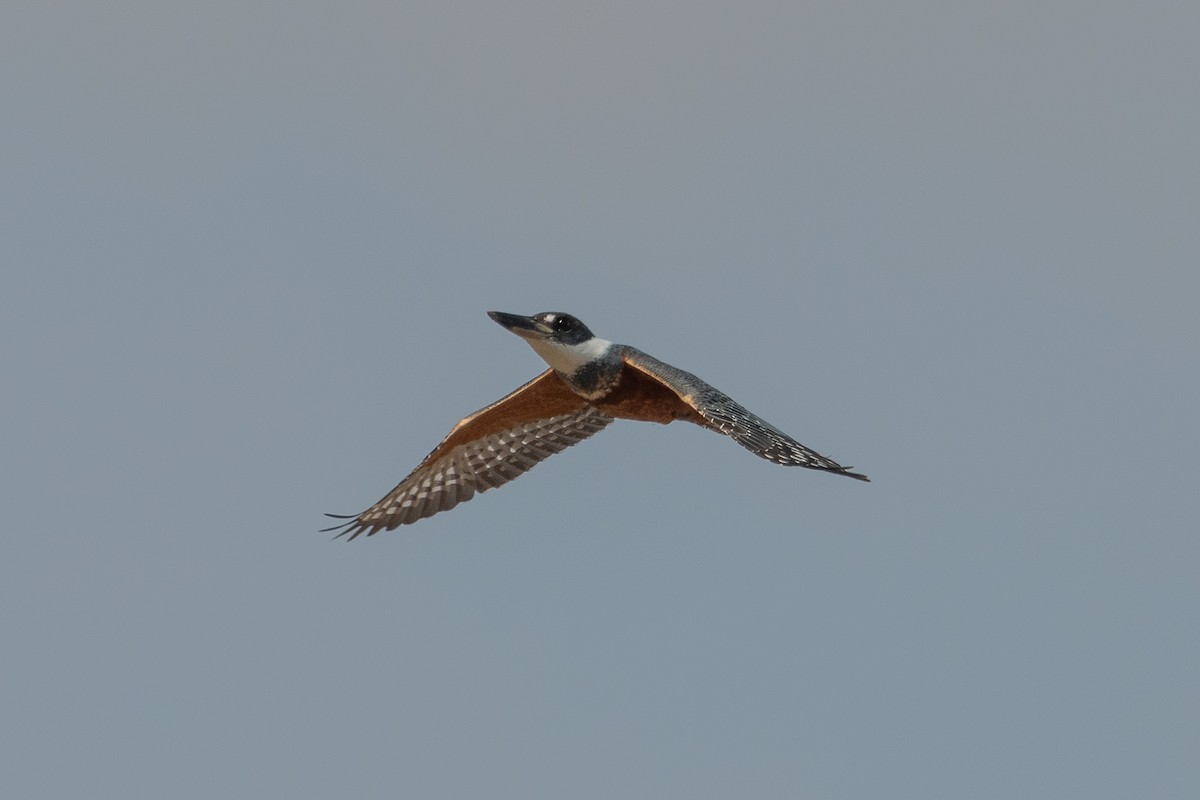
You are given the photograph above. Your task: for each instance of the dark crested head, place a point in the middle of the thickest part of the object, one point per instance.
(552, 326)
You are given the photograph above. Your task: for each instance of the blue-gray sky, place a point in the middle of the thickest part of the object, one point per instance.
(247, 251)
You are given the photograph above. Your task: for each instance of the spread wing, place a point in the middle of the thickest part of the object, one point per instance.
(487, 449)
(725, 415)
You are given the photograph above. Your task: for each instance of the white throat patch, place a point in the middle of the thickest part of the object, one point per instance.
(566, 358)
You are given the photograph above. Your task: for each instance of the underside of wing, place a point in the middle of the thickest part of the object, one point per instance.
(724, 415)
(485, 450)
(543, 397)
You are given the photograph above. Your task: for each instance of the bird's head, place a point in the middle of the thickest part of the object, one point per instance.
(549, 326)
(561, 340)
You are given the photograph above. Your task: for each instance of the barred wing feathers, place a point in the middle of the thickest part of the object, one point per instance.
(487, 449)
(725, 415)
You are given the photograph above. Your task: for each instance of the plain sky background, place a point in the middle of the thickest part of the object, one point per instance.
(247, 249)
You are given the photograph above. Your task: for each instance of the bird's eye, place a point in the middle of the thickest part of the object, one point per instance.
(562, 324)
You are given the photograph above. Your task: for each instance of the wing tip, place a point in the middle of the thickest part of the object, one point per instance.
(354, 527)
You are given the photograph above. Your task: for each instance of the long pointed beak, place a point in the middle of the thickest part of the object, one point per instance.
(526, 327)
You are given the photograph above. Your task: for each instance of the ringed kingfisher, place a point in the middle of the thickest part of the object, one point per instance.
(590, 383)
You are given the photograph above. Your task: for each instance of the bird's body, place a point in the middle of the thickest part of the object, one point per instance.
(590, 383)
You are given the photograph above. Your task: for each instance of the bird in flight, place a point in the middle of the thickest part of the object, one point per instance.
(590, 383)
